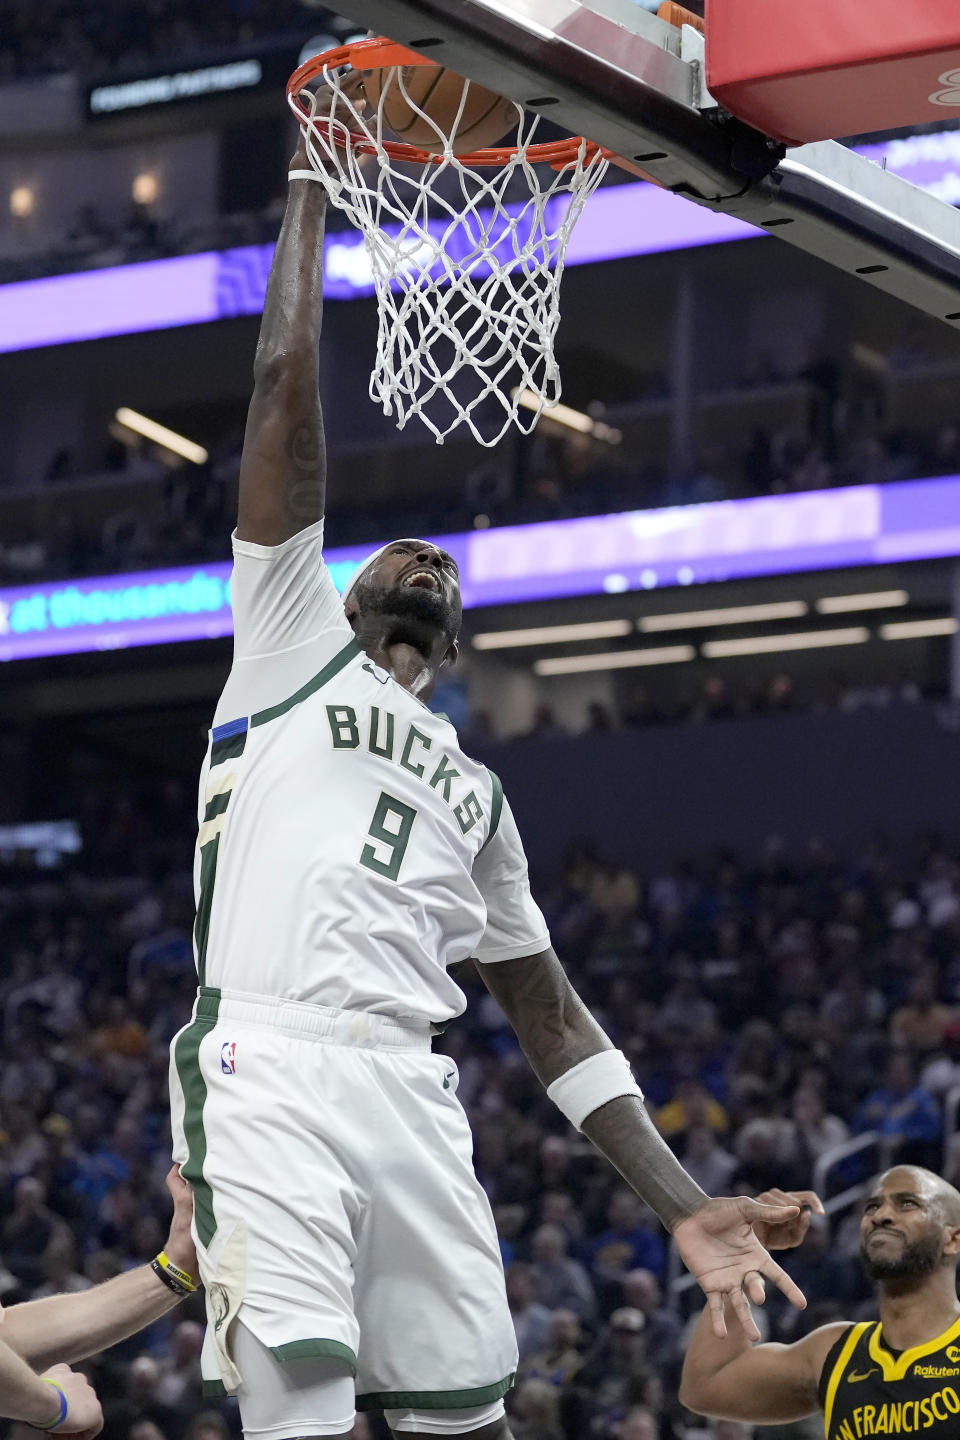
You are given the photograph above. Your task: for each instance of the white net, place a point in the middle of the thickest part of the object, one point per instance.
(466, 263)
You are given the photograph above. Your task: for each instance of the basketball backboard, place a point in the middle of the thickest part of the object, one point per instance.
(613, 71)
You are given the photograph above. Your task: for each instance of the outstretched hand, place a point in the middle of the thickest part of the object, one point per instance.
(346, 111)
(720, 1247)
(787, 1234)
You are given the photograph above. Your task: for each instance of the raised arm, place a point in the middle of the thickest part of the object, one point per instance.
(67, 1328)
(283, 467)
(715, 1237)
(730, 1379)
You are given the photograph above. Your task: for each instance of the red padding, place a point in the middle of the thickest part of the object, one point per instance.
(804, 70)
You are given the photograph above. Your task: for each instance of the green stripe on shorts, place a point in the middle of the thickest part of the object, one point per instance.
(434, 1399)
(187, 1061)
(314, 1350)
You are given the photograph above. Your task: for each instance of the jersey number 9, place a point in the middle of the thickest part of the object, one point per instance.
(390, 831)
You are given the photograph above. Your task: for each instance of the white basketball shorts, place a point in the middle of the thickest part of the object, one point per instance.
(336, 1210)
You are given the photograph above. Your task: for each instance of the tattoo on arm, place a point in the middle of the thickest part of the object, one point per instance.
(283, 465)
(308, 459)
(623, 1131)
(556, 1031)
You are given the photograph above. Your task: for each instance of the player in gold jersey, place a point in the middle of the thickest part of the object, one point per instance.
(900, 1376)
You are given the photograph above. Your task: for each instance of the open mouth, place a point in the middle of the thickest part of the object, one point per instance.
(423, 580)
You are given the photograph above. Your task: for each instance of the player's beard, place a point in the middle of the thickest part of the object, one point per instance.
(917, 1259)
(414, 614)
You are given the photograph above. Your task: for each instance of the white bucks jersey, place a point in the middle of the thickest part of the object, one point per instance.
(349, 851)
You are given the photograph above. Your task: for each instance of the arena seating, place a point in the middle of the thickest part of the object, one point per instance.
(772, 1006)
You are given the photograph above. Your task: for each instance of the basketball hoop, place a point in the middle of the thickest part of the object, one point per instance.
(467, 280)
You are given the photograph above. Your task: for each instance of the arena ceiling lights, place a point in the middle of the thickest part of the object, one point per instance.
(872, 600)
(717, 649)
(728, 615)
(614, 629)
(551, 634)
(566, 415)
(749, 645)
(918, 629)
(160, 435)
(622, 660)
(774, 644)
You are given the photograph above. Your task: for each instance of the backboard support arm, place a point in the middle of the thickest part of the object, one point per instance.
(630, 90)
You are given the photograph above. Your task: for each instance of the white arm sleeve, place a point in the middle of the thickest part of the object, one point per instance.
(515, 923)
(288, 621)
(282, 595)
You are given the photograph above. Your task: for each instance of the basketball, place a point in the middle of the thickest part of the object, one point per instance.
(486, 117)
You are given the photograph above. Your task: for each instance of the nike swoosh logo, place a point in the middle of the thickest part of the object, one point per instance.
(853, 1377)
(370, 671)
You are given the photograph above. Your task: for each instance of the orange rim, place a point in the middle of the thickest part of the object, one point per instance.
(383, 52)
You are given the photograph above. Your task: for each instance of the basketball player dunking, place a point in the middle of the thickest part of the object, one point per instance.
(898, 1377)
(349, 852)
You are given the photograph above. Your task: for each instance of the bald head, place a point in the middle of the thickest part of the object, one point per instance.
(933, 1187)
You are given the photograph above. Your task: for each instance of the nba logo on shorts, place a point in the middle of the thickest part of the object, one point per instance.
(228, 1057)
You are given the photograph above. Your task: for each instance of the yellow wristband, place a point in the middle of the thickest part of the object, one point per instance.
(165, 1263)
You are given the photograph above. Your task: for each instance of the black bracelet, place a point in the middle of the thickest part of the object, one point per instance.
(171, 1282)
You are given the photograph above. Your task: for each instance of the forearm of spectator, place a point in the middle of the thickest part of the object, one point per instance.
(23, 1394)
(66, 1328)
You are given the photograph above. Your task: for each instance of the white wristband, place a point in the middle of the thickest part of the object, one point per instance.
(304, 175)
(592, 1083)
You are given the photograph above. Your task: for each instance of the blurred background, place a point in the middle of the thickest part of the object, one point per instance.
(737, 782)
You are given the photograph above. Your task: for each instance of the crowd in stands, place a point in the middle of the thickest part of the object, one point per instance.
(181, 517)
(715, 698)
(44, 37)
(771, 1005)
(136, 233)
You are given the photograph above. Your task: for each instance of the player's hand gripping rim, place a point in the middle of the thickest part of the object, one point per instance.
(720, 1247)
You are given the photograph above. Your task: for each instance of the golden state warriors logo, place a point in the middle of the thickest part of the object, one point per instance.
(952, 1352)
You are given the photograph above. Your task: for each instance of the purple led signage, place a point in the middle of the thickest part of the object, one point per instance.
(624, 220)
(619, 221)
(118, 301)
(643, 549)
